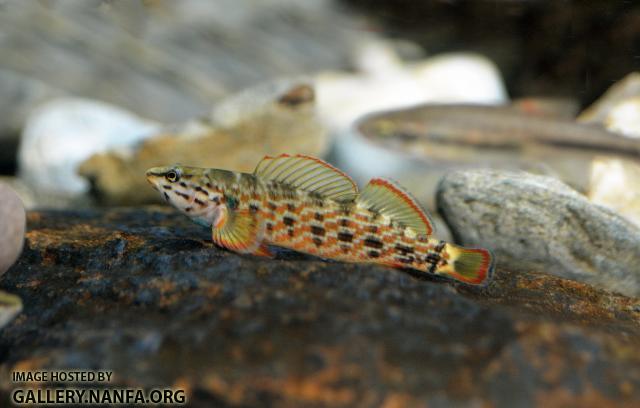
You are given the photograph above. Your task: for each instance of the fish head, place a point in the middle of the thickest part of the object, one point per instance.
(190, 190)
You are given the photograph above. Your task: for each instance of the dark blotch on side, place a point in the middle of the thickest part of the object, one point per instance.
(272, 205)
(290, 232)
(253, 208)
(317, 230)
(288, 221)
(405, 260)
(291, 207)
(345, 236)
(373, 243)
(183, 184)
(166, 187)
(318, 216)
(269, 226)
(344, 222)
(317, 241)
(403, 249)
(199, 202)
(374, 254)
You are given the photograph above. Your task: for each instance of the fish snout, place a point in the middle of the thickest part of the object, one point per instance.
(153, 174)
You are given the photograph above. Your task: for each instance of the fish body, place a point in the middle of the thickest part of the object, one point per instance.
(489, 127)
(304, 204)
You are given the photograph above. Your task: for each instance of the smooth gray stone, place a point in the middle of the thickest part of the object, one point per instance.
(12, 227)
(539, 223)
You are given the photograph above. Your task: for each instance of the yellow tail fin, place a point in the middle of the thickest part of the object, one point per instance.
(469, 265)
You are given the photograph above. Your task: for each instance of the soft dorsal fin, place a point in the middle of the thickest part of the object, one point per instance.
(308, 174)
(391, 200)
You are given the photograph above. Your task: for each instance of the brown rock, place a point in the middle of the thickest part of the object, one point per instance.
(233, 330)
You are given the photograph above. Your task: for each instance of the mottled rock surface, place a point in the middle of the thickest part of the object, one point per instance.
(539, 223)
(144, 293)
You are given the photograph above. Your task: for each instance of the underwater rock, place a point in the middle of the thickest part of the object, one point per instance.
(385, 81)
(624, 117)
(625, 89)
(12, 230)
(62, 133)
(12, 227)
(538, 223)
(169, 61)
(268, 119)
(615, 184)
(144, 293)
(19, 95)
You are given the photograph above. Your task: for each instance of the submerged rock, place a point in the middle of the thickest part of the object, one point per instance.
(12, 230)
(538, 223)
(270, 119)
(615, 184)
(12, 227)
(143, 292)
(61, 134)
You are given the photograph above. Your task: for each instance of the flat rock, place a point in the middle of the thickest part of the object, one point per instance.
(143, 292)
(539, 223)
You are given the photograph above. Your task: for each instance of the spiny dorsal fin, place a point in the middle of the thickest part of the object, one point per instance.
(308, 174)
(239, 231)
(391, 200)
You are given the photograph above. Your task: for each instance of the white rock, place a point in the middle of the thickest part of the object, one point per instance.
(61, 134)
(615, 184)
(385, 82)
(624, 117)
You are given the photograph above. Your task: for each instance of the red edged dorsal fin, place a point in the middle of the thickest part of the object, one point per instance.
(390, 199)
(309, 174)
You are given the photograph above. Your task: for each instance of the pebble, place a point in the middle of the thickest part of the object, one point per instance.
(615, 183)
(62, 133)
(12, 227)
(537, 223)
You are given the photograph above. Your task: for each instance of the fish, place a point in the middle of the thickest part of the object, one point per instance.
(448, 137)
(304, 204)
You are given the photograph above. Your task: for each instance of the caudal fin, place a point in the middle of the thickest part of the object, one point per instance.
(469, 265)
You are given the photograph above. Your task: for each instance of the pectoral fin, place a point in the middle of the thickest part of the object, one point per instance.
(239, 231)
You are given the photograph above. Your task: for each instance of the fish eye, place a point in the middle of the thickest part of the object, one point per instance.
(172, 176)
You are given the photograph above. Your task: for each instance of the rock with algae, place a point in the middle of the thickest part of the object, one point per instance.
(269, 119)
(539, 223)
(144, 293)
